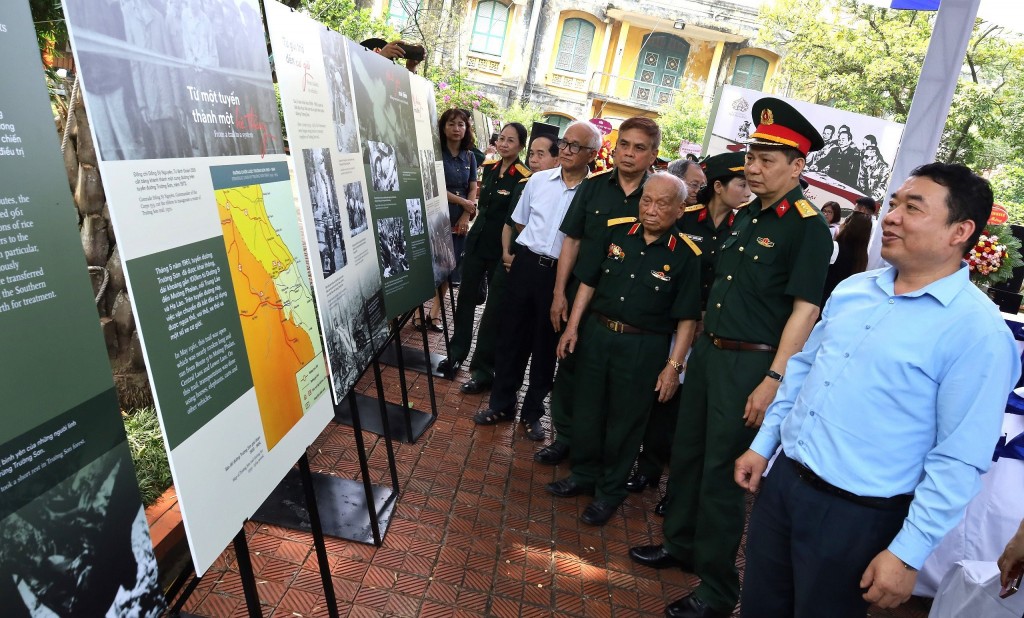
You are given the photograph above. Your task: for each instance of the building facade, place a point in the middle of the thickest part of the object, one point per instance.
(612, 60)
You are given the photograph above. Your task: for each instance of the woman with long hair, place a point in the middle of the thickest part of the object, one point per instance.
(852, 258)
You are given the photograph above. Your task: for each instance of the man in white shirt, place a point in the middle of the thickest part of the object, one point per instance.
(526, 328)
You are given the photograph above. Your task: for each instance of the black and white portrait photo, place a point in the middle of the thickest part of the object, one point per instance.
(428, 174)
(415, 208)
(393, 249)
(356, 206)
(326, 214)
(383, 166)
(162, 81)
(339, 85)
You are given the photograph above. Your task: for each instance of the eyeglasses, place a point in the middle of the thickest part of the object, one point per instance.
(694, 185)
(573, 148)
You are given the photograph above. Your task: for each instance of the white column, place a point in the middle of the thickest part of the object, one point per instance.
(932, 98)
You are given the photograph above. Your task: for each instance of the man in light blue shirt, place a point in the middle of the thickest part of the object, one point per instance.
(886, 418)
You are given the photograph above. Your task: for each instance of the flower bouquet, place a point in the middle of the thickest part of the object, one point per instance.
(994, 257)
(604, 158)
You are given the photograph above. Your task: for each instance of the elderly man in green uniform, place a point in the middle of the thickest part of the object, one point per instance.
(605, 196)
(483, 243)
(622, 366)
(706, 221)
(760, 310)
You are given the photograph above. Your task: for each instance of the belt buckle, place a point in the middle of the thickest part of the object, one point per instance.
(616, 327)
(545, 261)
(717, 342)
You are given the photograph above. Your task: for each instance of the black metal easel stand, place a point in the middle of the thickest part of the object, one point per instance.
(186, 583)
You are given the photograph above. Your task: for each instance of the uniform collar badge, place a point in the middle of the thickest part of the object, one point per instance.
(782, 207)
(766, 242)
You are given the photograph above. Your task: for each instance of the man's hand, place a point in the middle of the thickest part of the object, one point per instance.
(749, 469)
(668, 382)
(759, 401)
(392, 50)
(506, 260)
(559, 311)
(889, 583)
(567, 344)
(1011, 563)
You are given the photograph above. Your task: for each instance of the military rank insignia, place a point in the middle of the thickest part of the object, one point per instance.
(615, 252)
(765, 242)
(503, 192)
(660, 275)
(805, 209)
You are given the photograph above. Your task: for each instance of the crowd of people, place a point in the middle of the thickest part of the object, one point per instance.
(710, 320)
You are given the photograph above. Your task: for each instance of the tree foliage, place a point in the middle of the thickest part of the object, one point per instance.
(348, 19)
(684, 119)
(866, 59)
(523, 112)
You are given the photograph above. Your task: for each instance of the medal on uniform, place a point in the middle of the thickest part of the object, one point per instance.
(615, 252)
(660, 275)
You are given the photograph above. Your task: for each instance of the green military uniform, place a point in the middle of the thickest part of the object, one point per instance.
(598, 200)
(482, 365)
(648, 286)
(697, 224)
(483, 252)
(771, 257)
(775, 253)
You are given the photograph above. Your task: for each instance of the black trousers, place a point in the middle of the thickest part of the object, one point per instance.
(526, 330)
(807, 549)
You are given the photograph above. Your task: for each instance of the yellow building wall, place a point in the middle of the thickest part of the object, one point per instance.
(595, 51)
(699, 62)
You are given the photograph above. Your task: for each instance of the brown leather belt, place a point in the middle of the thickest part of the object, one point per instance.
(741, 346)
(621, 327)
(815, 481)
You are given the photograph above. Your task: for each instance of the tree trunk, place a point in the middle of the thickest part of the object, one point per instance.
(117, 320)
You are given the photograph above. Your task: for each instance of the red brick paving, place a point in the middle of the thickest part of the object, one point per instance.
(473, 534)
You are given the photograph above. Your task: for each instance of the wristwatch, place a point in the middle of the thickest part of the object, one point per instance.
(774, 375)
(677, 366)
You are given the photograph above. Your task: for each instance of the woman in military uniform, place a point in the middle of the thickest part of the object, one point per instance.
(483, 243)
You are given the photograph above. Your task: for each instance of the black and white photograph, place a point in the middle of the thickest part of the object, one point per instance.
(428, 173)
(326, 213)
(441, 249)
(355, 331)
(415, 208)
(356, 206)
(393, 248)
(383, 166)
(339, 85)
(383, 96)
(80, 549)
(163, 81)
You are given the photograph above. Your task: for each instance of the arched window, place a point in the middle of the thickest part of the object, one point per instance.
(489, 28)
(399, 12)
(659, 68)
(750, 72)
(574, 46)
(562, 122)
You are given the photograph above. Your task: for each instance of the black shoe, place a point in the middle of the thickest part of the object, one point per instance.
(659, 510)
(655, 557)
(535, 431)
(473, 387)
(552, 454)
(691, 606)
(567, 488)
(598, 513)
(640, 481)
(448, 367)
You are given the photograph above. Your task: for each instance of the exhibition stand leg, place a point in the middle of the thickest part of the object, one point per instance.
(318, 537)
(186, 583)
(252, 597)
(390, 356)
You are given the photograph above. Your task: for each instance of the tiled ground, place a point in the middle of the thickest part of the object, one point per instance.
(473, 534)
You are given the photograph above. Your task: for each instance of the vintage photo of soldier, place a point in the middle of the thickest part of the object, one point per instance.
(355, 329)
(326, 213)
(383, 95)
(82, 548)
(161, 82)
(428, 174)
(393, 249)
(339, 85)
(383, 166)
(415, 208)
(441, 249)
(356, 206)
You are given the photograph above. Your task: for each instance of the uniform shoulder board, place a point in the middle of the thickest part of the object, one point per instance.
(522, 169)
(620, 221)
(694, 208)
(602, 172)
(690, 243)
(523, 180)
(493, 164)
(805, 209)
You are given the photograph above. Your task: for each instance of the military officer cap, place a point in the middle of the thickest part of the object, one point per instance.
(779, 124)
(722, 165)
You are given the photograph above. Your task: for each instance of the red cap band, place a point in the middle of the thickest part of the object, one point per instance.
(782, 135)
